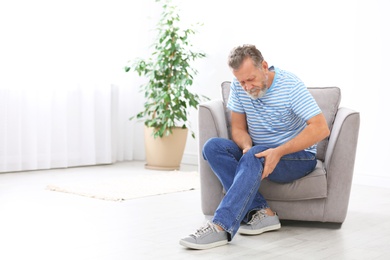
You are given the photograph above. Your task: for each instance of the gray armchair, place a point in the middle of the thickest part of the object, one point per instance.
(323, 195)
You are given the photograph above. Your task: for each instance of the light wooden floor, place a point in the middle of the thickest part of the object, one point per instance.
(39, 224)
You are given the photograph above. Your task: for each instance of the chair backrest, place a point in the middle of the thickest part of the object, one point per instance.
(327, 98)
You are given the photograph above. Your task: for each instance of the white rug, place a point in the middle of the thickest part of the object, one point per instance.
(130, 186)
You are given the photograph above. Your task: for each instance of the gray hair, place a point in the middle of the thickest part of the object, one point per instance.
(240, 53)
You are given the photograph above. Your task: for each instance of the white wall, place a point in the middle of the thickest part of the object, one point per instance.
(340, 43)
(326, 43)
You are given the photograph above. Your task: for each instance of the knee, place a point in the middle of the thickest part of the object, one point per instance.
(257, 149)
(220, 146)
(210, 146)
(250, 155)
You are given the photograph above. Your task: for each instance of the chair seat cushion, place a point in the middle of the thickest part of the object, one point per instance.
(312, 186)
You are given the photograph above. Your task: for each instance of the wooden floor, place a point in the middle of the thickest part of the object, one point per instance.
(39, 224)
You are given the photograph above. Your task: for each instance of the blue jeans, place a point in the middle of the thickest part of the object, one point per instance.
(240, 175)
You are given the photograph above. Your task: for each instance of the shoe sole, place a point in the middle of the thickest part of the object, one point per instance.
(258, 231)
(202, 246)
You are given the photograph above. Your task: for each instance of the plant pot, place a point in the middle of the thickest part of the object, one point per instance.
(165, 153)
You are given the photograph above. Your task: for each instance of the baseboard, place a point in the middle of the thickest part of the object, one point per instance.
(369, 180)
(191, 159)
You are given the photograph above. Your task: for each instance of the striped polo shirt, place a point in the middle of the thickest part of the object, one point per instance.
(279, 115)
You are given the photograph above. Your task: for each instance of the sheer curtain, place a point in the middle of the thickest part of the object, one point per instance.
(82, 125)
(64, 97)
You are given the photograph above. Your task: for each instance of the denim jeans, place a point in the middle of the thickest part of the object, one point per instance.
(240, 175)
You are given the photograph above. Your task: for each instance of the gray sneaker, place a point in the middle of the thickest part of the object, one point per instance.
(260, 223)
(206, 237)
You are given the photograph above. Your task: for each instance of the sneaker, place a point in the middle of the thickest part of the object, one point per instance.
(260, 223)
(206, 237)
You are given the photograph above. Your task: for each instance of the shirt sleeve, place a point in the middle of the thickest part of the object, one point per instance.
(303, 104)
(234, 103)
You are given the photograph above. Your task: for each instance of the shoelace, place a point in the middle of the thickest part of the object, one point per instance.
(259, 215)
(209, 226)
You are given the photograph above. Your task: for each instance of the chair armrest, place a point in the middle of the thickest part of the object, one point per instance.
(211, 123)
(212, 120)
(339, 162)
(343, 139)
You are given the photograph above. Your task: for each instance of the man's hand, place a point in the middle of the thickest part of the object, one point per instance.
(271, 159)
(245, 150)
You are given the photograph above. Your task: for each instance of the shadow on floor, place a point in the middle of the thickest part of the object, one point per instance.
(311, 224)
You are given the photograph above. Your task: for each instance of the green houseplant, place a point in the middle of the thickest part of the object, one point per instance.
(169, 74)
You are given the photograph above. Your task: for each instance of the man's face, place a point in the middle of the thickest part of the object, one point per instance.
(252, 79)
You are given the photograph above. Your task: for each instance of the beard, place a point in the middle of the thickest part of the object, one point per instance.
(258, 91)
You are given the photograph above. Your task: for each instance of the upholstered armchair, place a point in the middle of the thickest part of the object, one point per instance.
(323, 195)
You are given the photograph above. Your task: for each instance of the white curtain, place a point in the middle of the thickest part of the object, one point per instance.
(80, 125)
(65, 99)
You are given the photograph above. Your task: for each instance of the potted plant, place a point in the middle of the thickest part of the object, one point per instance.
(168, 99)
